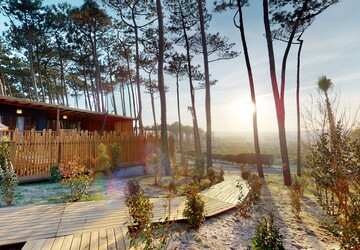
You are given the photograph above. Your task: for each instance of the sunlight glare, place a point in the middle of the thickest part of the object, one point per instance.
(243, 110)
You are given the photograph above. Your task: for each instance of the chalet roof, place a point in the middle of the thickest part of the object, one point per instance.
(52, 108)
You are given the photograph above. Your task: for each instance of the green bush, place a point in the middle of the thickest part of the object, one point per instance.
(156, 161)
(172, 186)
(215, 176)
(115, 156)
(8, 178)
(267, 236)
(9, 182)
(142, 230)
(139, 206)
(55, 175)
(198, 170)
(194, 210)
(4, 152)
(103, 159)
(77, 178)
(296, 192)
(255, 186)
(245, 174)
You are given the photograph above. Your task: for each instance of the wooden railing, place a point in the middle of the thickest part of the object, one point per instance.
(34, 152)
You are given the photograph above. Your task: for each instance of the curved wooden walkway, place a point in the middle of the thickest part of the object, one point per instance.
(98, 224)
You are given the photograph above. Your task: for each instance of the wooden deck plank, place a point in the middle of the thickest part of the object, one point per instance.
(94, 240)
(29, 245)
(67, 242)
(102, 240)
(39, 244)
(111, 239)
(58, 243)
(48, 243)
(75, 245)
(85, 241)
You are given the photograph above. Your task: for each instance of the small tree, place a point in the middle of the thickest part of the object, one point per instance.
(8, 177)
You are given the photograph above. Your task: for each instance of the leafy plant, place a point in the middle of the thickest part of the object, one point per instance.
(245, 173)
(55, 175)
(253, 197)
(334, 160)
(194, 210)
(198, 170)
(267, 236)
(155, 160)
(77, 178)
(115, 156)
(215, 176)
(8, 178)
(103, 159)
(4, 152)
(142, 230)
(9, 182)
(296, 192)
(139, 206)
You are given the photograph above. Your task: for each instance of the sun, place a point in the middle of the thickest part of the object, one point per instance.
(243, 110)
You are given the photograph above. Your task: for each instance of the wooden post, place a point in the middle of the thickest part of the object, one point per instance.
(57, 121)
(58, 135)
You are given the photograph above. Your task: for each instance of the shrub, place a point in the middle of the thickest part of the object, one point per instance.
(139, 206)
(296, 192)
(267, 236)
(115, 156)
(245, 174)
(172, 186)
(55, 175)
(156, 161)
(8, 177)
(194, 210)
(254, 195)
(211, 175)
(255, 186)
(220, 175)
(198, 170)
(4, 152)
(9, 181)
(142, 230)
(215, 176)
(103, 159)
(77, 178)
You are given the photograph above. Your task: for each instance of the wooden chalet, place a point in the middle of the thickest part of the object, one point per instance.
(43, 135)
(26, 115)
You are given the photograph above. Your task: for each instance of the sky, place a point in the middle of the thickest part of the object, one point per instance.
(331, 47)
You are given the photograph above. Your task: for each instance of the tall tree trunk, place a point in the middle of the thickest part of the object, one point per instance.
(129, 96)
(137, 65)
(47, 81)
(252, 91)
(32, 71)
(280, 110)
(298, 153)
(192, 90)
(153, 110)
(62, 77)
(87, 88)
(179, 118)
(111, 83)
(98, 81)
(164, 136)
(122, 97)
(39, 73)
(207, 87)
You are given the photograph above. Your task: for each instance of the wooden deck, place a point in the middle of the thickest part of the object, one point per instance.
(97, 223)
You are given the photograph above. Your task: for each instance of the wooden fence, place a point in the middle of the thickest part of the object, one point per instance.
(34, 152)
